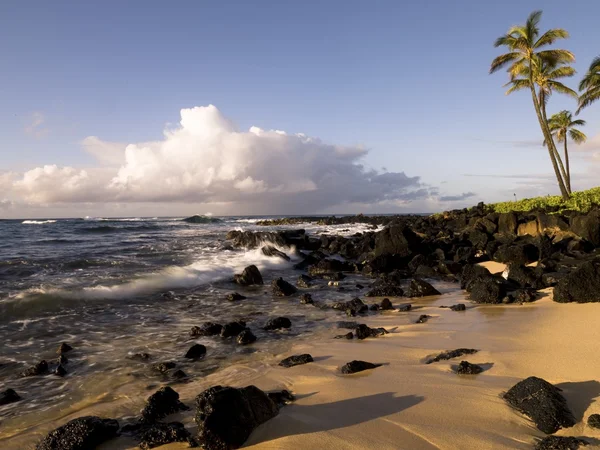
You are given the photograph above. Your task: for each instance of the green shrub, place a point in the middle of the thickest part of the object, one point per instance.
(581, 201)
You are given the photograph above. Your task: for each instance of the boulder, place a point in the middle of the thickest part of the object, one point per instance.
(458, 307)
(60, 371)
(282, 288)
(226, 416)
(523, 276)
(560, 443)
(246, 337)
(450, 354)
(386, 305)
(163, 402)
(487, 290)
(304, 281)
(507, 223)
(517, 252)
(327, 266)
(233, 328)
(421, 288)
(397, 240)
(416, 261)
(270, 251)
(206, 329)
(352, 307)
(470, 272)
(82, 433)
(385, 290)
(8, 396)
(466, 368)
(423, 318)
(404, 307)
(165, 433)
(196, 351)
(581, 286)
(250, 276)
(164, 367)
(296, 360)
(542, 403)
(235, 297)
(357, 366)
(278, 323)
(588, 227)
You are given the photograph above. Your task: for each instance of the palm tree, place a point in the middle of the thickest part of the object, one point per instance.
(526, 56)
(545, 77)
(562, 126)
(590, 85)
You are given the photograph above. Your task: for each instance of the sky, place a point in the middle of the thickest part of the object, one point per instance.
(267, 107)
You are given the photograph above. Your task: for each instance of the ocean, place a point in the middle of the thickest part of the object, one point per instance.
(113, 288)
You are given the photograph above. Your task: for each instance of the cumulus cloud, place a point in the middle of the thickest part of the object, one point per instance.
(206, 159)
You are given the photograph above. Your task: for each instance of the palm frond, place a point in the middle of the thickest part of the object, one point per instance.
(588, 97)
(577, 136)
(592, 76)
(503, 60)
(578, 123)
(517, 85)
(559, 87)
(561, 72)
(550, 36)
(531, 26)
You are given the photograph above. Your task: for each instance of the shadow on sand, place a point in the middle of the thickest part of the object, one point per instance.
(580, 396)
(299, 419)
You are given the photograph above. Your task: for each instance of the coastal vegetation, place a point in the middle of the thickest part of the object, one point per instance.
(532, 66)
(582, 201)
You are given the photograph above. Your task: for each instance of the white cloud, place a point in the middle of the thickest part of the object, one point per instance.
(206, 159)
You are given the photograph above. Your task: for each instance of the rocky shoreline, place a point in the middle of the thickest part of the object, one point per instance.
(407, 258)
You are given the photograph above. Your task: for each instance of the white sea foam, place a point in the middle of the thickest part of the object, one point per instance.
(37, 222)
(212, 268)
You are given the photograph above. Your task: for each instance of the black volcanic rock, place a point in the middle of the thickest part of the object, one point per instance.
(206, 329)
(542, 403)
(421, 288)
(234, 297)
(246, 337)
(82, 433)
(328, 266)
(487, 290)
(250, 276)
(278, 323)
(363, 332)
(582, 285)
(196, 351)
(165, 433)
(270, 251)
(594, 421)
(233, 328)
(163, 402)
(64, 348)
(8, 396)
(226, 416)
(304, 281)
(466, 368)
(40, 368)
(357, 366)
(560, 443)
(450, 354)
(282, 288)
(296, 360)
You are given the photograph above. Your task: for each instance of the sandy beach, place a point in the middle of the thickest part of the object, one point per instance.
(407, 404)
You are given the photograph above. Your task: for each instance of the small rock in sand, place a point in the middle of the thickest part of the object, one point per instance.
(82, 433)
(206, 329)
(165, 433)
(345, 336)
(282, 288)
(420, 288)
(449, 354)
(234, 297)
(423, 318)
(296, 360)
(404, 307)
(594, 421)
(281, 398)
(60, 371)
(40, 368)
(163, 402)
(357, 366)
(466, 368)
(233, 328)
(364, 332)
(458, 307)
(306, 299)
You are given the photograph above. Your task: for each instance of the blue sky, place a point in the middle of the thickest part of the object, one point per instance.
(406, 80)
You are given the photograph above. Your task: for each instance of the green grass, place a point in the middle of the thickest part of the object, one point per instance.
(581, 201)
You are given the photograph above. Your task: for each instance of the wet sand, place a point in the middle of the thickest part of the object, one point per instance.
(407, 404)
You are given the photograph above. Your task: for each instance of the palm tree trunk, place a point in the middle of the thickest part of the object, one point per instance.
(563, 172)
(551, 146)
(568, 179)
